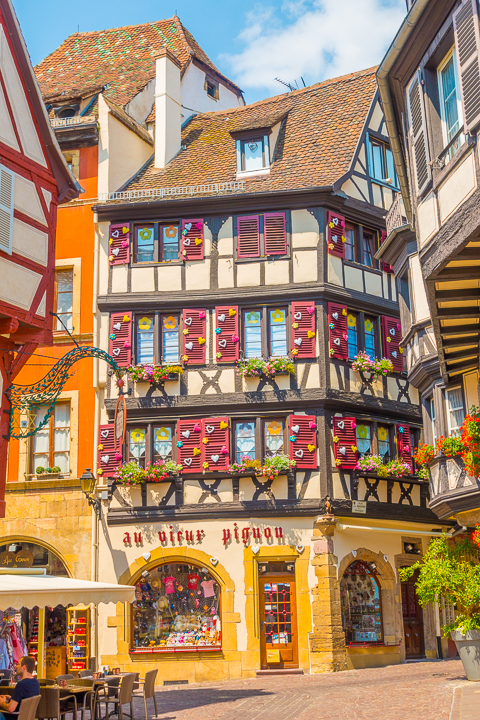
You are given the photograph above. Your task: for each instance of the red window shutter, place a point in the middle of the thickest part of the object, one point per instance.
(108, 461)
(392, 335)
(189, 454)
(193, 243)
(335, 234)
(194, 341)
(275, 233)
(248, 236)
(404, 445)
(338, 330)
(228, 339)
(304, 448)
(119, 244)
(385, 266)
(345, 442)
(303, 336)
(120, 347)
(216, 452)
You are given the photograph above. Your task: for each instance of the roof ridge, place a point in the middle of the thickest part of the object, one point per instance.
(181, 31)
(121, 27)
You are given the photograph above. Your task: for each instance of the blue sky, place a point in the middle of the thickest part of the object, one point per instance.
(252, 42)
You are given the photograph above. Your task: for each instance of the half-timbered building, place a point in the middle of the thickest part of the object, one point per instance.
(254, 248)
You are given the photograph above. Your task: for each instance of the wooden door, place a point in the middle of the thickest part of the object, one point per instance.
(278, 621)
(412, 620)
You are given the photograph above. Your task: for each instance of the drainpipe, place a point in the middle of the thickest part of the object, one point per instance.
(95, 516)
(388, 106)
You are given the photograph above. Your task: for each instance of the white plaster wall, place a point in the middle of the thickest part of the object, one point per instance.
(140, 106)
(470, 386)
(169, 277)
(334, 270)
(18, 284)
(225, 272)
(276, 272)
(305, 266)
(373, 284)
(103, 230)
(29, 242)
(143, 279)
(427, 219)
(459, 185)
(419, 296)
(195, 96)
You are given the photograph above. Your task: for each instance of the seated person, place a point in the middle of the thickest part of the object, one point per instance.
(27, 687)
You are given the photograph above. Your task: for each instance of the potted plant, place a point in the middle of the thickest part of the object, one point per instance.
(372, 463)
(423, 456)
(451, 569)
(398, 468)
(162, 470)
(154, 374)
(363, 363)
(246, 465)
(449, 446)
(130, 473)
(275, 466)
(258, 367)
(383, 366)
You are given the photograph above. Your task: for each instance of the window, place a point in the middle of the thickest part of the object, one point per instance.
(361, 603)
(352, 335)
(245, 445)
(64, 300)
(360, 246)
(156, 242)
(277, 332)
(382, 167)
(252, 323)
(362, 334)
(177, 605)
(369, 331)
(248, 432)
(364, 438)
(431, 406)
(72, 158)
(253, 154)
(212, 88)
(150, 443)
(274, 438)
(51, 444)
(350, 245)
(157, 346)
(383, 439)
(369, 247)
(455, 410)
(275, 344)
(262, 235)
(450, 103)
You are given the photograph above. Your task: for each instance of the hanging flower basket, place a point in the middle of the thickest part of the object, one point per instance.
(154, 374)
(257, 367)
(132, 474)
(378, 366)
(372, 463)
(273, 467)
(398, 468)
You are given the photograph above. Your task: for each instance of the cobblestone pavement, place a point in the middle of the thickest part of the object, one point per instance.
(414, 691)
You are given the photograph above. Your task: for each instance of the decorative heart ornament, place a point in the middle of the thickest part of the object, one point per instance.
(311, 310)
(335, 316)
(299, 548)
(188, 320)
(336, 341)
(334, 238)
(310, 334)
(146, 556)
(392, 331)
(188, 461)
(298, 453)
(126, 344)
(354, 553)
(312, 424)
(198, 241)
(117, 326)
(385, 557)
(189, 346)
(115, 251)
(198, 225)
(105, 458)
(298, 341)
(255, 549)
(341, 424)
(186, 242)
(345, 336)
(311, 448)
(223, 425)
(209, 429)
(125, 243)
(104, 433)
(115, 233)
(222, 343)
(186, 434)
(232, 312)
(116, 351)
(202, 314)
(201, 340)
(295, 428)
(196, 428)
(399, 327)
(214, 561)
(342, 450)
(235, 338)
(298, 316)
(188, 226)
(214, 458)
(221, 318)
(224, 450)
(394, 353)
(196, 451)
(126, 318)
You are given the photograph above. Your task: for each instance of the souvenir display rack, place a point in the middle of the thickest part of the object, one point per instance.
(78, 648)
(176, 608)
(361, 605)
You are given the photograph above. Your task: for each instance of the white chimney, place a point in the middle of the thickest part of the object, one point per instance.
(168, 109)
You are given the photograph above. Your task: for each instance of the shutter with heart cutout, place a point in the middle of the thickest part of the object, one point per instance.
(392, 335)
(216, 430)
(194, 341)
(303, 329)
(345, 442)
(107, 462)
(189, 455)
(385, 266)
(275, 233)
(338, 330)
(119, 244)
(336, 234)
(193, 242)
(404, 445)
(304, 448)
(248, 236)
(120, 339)
(228, 341)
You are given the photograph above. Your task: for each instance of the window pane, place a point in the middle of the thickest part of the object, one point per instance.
(456, 413)
(450, 100)
(136, 446)
(391, 172)
(278, 332)
(383, 441)
(244, 441)
(64, 280)
(370, 337)
(61, 436)
(360, 599)
(352, 336)
(145, 244)
(170, 345)
(378, 171)
(274, 444)
(364, 441)
(145, 327)
(350, 253)
(253, 154)
(170, 236)
(368, 249)
(432, 419)
(62, 460)
(253, 334)
(62, 415)
(162, 442)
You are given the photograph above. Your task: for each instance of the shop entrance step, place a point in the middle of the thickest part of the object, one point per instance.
(279, 671)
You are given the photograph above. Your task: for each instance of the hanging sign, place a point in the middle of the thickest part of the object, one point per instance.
(20, 559)
(120, 423)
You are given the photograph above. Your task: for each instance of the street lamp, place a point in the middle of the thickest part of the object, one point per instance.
(87, 481)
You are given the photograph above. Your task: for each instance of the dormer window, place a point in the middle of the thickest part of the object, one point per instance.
(211, 88)
(253, 154)
(67, 112)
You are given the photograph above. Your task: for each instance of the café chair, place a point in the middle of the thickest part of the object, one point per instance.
(148, 690)
(51, 705)
(28, 708)
(85, 674)
(45, 681)
(68, 678)
(6, 675)
(124, 697)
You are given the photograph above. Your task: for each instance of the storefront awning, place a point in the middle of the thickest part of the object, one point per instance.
(17, 591)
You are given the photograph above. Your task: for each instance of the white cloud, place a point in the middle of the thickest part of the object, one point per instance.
(313, 39)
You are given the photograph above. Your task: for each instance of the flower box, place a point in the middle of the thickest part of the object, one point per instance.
(154, 374)
(266, 369)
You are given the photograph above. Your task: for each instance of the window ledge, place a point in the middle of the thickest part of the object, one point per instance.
(242, 174)
(165, 263)
(361, 266)
(175, 649)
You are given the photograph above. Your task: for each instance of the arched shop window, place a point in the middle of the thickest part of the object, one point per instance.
(361, 604)
(176, 606)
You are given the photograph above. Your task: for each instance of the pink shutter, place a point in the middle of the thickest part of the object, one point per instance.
(193, 348)
(385, 266)
(335, 234)
(303, 329)
(275, 233)
(248, 236)
(119, 244)
(108, 462)
(392, 335)
(120, 338)
(345, 440)
(227, 339)
(189, 437)
(304, 448)
(217, 451)
(338, 330)
(404, 445)
(193, 243)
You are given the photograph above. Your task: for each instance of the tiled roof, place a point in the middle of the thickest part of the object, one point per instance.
(315, 146)
(122, 58)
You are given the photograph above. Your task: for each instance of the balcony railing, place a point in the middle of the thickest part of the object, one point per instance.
(365, 486)
(396, 216)
(451, 489)
(75, 120)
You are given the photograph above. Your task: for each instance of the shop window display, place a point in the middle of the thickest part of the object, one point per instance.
(361, 604)
(176, 607)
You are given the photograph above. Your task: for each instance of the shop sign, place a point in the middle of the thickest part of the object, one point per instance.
(359, 506)
(190, 537)
(21, 559)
